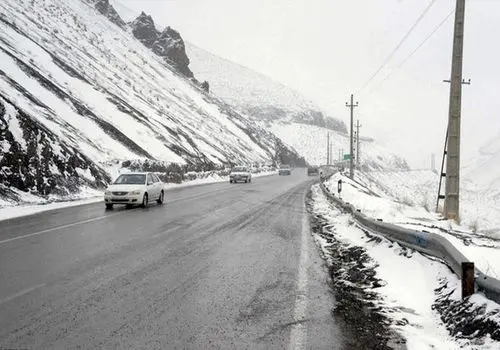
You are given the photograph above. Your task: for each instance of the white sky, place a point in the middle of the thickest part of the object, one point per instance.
(327, 49)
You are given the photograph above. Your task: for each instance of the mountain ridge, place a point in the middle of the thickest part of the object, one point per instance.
(77, 92)
(254, 93)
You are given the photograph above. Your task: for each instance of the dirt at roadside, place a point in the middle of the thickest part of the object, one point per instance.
(352, 274)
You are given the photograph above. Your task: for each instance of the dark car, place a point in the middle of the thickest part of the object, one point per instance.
(312, 170)
(285, 170)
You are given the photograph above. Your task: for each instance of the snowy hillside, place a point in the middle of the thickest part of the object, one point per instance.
(77, 91)
(283, 111)
(256, 94)
(480, 189)
(484, 168)
(310, 141)
(408, 198)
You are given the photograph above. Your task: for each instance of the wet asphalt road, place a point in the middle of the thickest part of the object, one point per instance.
(222, 266)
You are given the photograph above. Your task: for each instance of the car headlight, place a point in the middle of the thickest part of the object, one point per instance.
(107, 193)
(135, 192)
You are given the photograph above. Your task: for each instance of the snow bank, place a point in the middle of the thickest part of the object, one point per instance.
(404, 198)
(9, 210)
(407, 293)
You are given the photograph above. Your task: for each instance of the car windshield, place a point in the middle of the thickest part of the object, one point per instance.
(130, 179)
(239, 169)
(285, 166)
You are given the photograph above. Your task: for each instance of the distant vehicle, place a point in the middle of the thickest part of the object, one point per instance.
(134, 189)
(312, 170)
(240, 173)
(285, 170)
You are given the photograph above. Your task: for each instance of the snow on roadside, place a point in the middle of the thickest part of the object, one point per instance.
(400, 199)
(479, 209)
(408, 301)
(9, 210)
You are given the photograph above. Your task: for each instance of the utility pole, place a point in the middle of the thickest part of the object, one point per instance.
(452, 189)
(357, 143)
(351, 156)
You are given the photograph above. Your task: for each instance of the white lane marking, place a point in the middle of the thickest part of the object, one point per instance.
(298, 333)
(96, 219)
(21, 293)
(59, 227)
(71, 225)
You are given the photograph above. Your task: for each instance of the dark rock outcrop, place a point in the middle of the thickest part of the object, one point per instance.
(335, 124)
(34, 160)
(171, 46)
(167, 44)
(144, 30)
(308, 117)
(106, 9)
(317, 118)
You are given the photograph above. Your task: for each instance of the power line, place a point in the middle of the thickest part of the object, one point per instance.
(412, 53)
(398, 46)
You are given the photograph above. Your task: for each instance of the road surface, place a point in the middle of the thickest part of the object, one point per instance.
(222, 266)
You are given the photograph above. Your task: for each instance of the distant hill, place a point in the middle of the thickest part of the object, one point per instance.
(256, 94)
(310, 141)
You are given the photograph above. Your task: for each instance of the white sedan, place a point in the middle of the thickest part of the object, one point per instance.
(240, 173)
(135, 189)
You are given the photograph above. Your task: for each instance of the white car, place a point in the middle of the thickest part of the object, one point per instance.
(240, 173)
(135, 189)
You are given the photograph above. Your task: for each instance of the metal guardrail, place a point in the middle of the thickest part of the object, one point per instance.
(425, 242)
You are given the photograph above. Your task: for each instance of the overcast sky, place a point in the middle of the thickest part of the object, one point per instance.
(328, 49)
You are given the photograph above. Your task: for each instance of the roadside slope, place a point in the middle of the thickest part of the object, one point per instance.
(78, 91)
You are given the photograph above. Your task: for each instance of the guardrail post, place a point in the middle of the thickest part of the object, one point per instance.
(467, 279)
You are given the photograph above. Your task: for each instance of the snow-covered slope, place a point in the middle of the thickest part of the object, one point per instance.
(408, 199)
(484, 168)
(77, 90)
(283, 111)
(256, 94)
(480, 189)
(310, 141)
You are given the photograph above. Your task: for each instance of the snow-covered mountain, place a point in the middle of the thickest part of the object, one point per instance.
(256, 94)
(311, 142)
(284, 111)
(484, 168)
(167, 43)
(78, 90)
